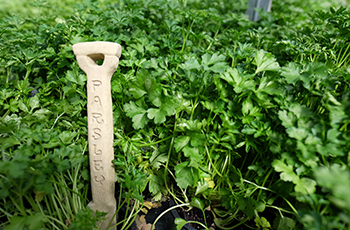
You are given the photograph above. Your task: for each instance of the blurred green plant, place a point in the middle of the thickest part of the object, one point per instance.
(249, 117)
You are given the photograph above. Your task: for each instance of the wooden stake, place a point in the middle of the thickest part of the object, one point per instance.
(253, 15)
(100, 122)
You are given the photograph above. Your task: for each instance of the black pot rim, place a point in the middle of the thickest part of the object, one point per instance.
(176, 215)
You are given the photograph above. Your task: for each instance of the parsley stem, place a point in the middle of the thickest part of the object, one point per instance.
(53, 202)
(267, 189)
(9, 216)
(32, 202)
(265, 179)
(210, 160)
(20, 207)
(54, 123)
(169, 209)
(279, 209)
(186, 36)
(169, 154)
(131, 218)
(233, 227)
(199, 223)
(153, 143)
(174, 196)
(54, 219)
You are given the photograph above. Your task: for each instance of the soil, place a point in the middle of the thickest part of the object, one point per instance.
(197, 215)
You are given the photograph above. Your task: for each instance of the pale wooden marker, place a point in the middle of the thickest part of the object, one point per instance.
(100, 122)
(253, 15)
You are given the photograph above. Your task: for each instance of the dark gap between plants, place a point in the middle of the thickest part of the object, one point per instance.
(195, 214)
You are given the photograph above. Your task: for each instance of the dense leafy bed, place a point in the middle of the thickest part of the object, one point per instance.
(249, 118)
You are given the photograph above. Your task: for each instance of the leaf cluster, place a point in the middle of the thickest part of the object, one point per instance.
(250, 117)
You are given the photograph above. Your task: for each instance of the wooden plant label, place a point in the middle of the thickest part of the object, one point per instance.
(253, 15)
(100, 122)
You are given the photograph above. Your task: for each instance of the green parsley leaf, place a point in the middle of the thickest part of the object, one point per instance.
(287, 172)
(191, 64)
(305, 186)
(179, 222)
(265, 62)
(138, 114)
(155, 184)
(181, 142)
(283, 223)
(192, 153)
(215, 62)
(184, 175)
(291, 72)
(167, 108)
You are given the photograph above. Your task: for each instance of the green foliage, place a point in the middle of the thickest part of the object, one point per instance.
(250, 118)
(86, 219)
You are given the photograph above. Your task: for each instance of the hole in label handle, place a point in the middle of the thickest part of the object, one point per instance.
(97, 58)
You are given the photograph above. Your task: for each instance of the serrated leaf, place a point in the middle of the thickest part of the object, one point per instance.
(198, 139)
(291, 72)
(192, 153)
(191, 64)
(39, 196)
(139, 47)
(301, 111)
(181, 142)
(197, 203)
(214, 62)
(246, 204)
(202, 186)
(157, 114)
(297, 133)
(139, 121)
(208, 105)
(155, 184)
(71, 76)
(230, 76)
(284, 223)
(34, 102)
(336, 178)
(305, 186)
(269, 86)
(179, 222)
(184, 175)
(248, 130)
(238, 81)
(137, 92)
(81, 79)
(23, 107)
(157, 159)
(287, 118)
(41, 113)
(145, 83)
(215, 58)
(330, 149)
(287, 172)
(247, 105)
(132, 109)
(67, 137)
(262, 223)
(265, 62)
(30, 222)
(167, 108)
(319, 69)
(218, 67)
(16, 169)
(138, 114)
